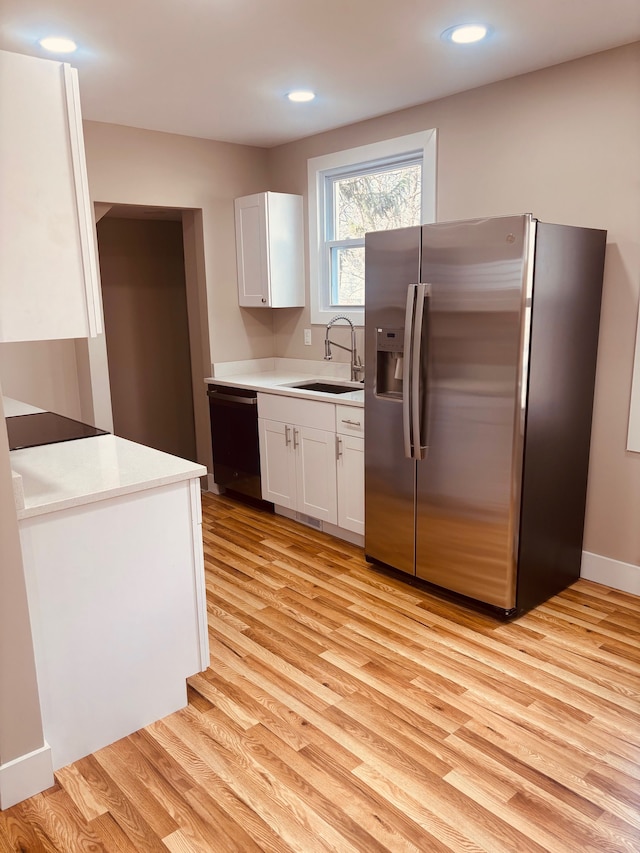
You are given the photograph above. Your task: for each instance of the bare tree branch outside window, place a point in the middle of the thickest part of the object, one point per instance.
(375, 201)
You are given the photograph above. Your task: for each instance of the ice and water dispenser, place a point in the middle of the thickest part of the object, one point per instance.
(389, 362)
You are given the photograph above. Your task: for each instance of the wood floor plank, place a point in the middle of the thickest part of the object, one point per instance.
(278, 807)
(379, 833)
(237, 807)
(58, 818)
(281, 720)
(443, 829)
(177, 842)
(128, 770)
(498, 763)
(80, 792)
(348, 710)
(20, 826)
(201, 818)
(397, 826)
(268, 756)
(537, 823)
(127, 814)
(5, 844)
(111, 835)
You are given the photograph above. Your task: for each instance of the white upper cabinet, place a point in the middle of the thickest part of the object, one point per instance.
(269, 248)
(49, 285)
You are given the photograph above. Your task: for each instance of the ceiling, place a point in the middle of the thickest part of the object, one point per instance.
(220, 69)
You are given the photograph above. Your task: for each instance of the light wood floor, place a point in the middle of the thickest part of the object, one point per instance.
(348, 711)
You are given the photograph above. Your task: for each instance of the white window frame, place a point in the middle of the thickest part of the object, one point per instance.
(633, 437)
(423, 143)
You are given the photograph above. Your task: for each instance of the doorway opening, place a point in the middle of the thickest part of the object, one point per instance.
(155, 350)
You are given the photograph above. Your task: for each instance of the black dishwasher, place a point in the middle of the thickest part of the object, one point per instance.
(234, 437)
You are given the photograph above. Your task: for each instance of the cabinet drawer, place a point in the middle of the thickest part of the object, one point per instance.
(349, 420)
(292, 410)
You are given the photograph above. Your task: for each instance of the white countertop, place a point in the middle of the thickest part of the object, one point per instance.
(277, 380)
(73, 473)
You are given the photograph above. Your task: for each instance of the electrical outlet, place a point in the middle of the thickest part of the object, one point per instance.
(307, 337)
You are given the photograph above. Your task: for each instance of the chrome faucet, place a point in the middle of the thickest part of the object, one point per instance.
(357, 368)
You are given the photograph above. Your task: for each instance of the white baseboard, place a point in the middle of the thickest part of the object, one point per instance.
(25, 776)
(317, 524)
(341, 533)
(613, 573)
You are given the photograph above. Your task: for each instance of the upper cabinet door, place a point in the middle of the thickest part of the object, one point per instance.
(269, 250)
(251, 250)
(49, 285)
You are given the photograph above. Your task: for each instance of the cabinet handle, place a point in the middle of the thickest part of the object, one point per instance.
(216, 396)
(287, 437)
(295, 439)
(264, 299)
(338, 447)
(351, 423)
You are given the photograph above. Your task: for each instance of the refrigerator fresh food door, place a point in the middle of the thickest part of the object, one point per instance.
(392, 263)
(468, 492)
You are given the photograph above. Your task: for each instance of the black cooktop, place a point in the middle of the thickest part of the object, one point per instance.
(46, 428)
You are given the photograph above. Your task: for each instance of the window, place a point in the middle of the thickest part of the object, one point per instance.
(372, 188)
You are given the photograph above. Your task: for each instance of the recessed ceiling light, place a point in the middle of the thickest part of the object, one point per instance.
(57, 44)
(300, 96)
(466, 33)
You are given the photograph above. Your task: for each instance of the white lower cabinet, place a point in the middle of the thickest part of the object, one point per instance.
(350, 467)
(316, 473)
(298, 467)
(118, 611)
(277, 463)
(312, 458)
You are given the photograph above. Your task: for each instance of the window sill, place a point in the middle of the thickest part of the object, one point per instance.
(320, 316)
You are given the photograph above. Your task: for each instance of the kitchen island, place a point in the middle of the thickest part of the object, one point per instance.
(112, 551)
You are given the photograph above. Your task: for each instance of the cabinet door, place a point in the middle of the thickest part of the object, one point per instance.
(316, 473)
(277, 463)
(285, 256)
(351, 483)
(269, 250)
(252, 251)
(48, 271)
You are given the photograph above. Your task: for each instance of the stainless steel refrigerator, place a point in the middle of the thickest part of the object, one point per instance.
(480, 344)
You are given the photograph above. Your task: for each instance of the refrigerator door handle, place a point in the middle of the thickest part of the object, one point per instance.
(412, 384)
(418, 386)
(406, 371)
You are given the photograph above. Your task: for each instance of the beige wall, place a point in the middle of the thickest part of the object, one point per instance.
(563, 144)
(130, 166)
(43, 373)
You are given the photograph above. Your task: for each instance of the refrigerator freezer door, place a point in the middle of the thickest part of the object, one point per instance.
(392, 262)
(467, 487)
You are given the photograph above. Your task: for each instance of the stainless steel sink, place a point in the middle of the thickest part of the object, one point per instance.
(326, 387)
